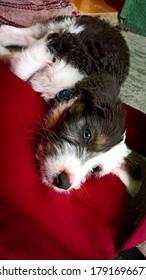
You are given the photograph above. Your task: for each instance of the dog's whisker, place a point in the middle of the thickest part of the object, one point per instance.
(45, 134)
(39, 134)
(52, 134)
(40, 121)
(31, 138)
(83, 195)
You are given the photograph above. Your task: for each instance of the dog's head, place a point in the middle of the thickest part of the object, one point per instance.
(83, 137)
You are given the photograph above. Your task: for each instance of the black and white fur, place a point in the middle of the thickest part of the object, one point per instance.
(85, 136)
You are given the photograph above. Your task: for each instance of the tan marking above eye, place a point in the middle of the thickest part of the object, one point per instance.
(77, 109)
(100, 139)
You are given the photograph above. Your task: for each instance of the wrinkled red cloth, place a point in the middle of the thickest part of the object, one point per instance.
(37, 222)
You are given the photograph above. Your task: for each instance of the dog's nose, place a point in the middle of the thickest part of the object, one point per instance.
(62, 181)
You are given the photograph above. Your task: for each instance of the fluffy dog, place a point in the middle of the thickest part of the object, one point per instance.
(79, 63)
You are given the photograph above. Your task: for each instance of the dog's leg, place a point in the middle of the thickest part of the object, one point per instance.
(5, 55)
(22, 37)
(130, 173)
(28, 61)
(4, 51)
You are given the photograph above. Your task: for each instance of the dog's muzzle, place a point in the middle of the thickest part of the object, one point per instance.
(62, 181)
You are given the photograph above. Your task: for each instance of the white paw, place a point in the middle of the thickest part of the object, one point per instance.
(4, 51)
(13, 36)
(6, 28)
(5, 34)
(133, 186)
(41, 82)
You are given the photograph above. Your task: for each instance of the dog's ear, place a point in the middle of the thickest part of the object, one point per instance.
(132, 163)
(131, 172)
(101, 83)
(90, 102)
(99, 91)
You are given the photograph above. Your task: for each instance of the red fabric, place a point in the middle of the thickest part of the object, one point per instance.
(35, 221)
(136, 139)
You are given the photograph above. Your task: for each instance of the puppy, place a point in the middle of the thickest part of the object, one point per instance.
(78, 65)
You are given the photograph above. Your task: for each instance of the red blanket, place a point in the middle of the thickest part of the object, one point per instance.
(28, 12)
(37, 222)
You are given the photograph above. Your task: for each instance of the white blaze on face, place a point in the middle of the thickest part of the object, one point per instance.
(79, 168)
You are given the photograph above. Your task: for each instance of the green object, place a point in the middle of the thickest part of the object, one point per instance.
(133, 16)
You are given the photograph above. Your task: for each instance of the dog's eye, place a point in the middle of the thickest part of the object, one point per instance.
(87, 135)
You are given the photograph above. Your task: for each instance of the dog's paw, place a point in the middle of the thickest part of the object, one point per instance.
(4, 55)
(13, 36)
(3, 51)
(41, 82)
(5, 35)
(133, 185)
(130, 172)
